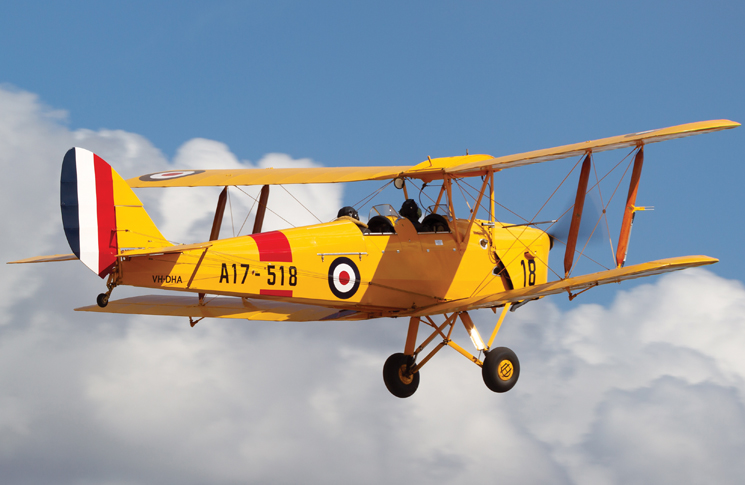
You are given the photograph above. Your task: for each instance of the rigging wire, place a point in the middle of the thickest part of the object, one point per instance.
(464, 196)
(495, 201)
(368, 198)
(267, 208)
(311, 213)
(591, 188)
(605, 214)
(247, 215)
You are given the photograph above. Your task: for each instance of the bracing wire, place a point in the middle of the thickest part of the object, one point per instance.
(256, 200)
(368, 198)
(309, 211)
(247, 215)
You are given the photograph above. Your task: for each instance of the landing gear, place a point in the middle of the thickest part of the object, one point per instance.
(102, 300)
(398, 375)
(501, 369)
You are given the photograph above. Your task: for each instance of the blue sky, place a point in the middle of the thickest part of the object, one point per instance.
(150, 85)
(347, 83)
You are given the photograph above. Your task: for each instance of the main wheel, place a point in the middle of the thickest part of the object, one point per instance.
(396, 377)
(102, 300)
(501, 369)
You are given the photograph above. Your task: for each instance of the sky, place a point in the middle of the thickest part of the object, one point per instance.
(642, 382)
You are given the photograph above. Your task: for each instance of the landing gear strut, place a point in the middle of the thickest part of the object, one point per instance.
(103, 298)
(500, 367)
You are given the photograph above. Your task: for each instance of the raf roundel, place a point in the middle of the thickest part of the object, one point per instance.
(173, 174)
(344, 278)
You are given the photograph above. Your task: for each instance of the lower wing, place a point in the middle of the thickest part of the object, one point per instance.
(224, 307)
(569, 285)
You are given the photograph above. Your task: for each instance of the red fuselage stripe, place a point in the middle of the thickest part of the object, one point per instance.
(287, 293)
(273, 246)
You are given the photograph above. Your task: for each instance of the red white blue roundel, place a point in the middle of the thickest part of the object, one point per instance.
(344, 278)
(172, 174)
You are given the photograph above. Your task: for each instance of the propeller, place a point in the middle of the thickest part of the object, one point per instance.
(591, 215)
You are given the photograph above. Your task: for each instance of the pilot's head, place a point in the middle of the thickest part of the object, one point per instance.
(411, 210)
(348, 211)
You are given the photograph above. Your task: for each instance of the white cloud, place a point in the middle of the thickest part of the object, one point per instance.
(649, 389)
(188, 212)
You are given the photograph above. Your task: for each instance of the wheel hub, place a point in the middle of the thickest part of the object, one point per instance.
(405, 376)
(505, 370)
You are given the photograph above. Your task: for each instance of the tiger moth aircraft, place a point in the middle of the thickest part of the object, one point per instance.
(433, 271)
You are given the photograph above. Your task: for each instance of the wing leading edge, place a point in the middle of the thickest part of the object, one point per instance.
(574, 284)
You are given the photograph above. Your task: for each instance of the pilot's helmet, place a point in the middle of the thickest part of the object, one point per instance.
(411, 210)
(348, 211)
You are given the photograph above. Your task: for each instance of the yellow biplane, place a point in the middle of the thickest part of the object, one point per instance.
(396, 264)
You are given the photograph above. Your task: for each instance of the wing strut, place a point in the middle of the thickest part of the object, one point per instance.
(214, 234)
(261, 210)
(579, 204)
(630, 212)
(219, 212)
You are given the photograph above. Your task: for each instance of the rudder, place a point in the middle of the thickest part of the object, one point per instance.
(100, 212)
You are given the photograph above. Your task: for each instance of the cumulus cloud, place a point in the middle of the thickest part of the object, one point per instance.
(188, 212)
(649, 389)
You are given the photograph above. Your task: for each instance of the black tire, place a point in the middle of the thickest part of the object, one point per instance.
(102, 300)
(395, 378)
(501, 369)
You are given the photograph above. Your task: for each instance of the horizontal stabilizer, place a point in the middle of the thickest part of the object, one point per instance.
(178, 248)
(574, 284)
(46, 259)
(218, 307)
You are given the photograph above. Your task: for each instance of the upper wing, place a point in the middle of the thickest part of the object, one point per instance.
(576, 283)
(222, 307)
(265, 176)
(431, 169)
(601, 145)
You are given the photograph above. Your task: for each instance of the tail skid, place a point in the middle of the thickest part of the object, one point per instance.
(100, 212)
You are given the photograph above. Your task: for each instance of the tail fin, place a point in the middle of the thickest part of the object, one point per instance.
(100, 212)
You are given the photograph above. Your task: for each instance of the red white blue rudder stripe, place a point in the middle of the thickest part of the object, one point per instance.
(88, 212)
